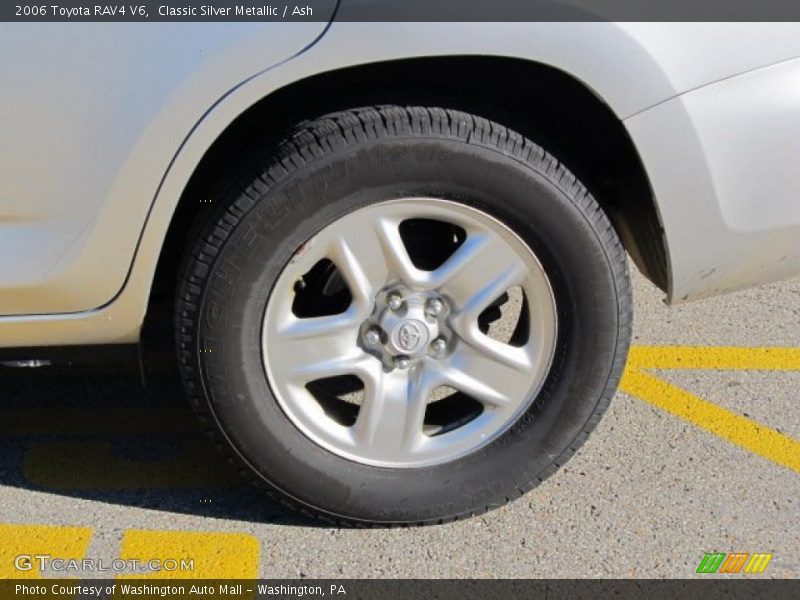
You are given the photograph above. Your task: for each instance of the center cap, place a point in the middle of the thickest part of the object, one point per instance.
(409, 328)
(410, 336)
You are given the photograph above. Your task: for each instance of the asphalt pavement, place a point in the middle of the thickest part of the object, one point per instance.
(699, 453)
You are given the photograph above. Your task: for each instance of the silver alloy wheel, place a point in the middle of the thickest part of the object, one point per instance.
(407, 333)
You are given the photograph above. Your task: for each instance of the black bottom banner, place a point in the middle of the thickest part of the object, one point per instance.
(400, 589)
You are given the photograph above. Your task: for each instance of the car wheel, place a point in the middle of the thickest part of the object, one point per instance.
(402, 315)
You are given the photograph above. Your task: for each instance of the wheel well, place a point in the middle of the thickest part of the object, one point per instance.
(540, 102)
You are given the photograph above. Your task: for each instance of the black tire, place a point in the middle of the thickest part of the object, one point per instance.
(350, 159)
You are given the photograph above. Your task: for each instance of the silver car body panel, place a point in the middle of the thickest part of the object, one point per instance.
(111, 120)
(99, 112)
(723, 163)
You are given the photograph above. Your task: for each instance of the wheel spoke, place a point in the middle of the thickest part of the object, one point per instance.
(360, 259)
(370, 255)
(315, 348)
(393, 413)
(396, 255)
(497, 375)
(478, 272)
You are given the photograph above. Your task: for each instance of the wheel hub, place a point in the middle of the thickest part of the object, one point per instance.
(407, 327)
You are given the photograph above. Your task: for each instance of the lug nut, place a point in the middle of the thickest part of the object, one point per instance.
(395, 302)
(372, 336)
(402, 362)
(435, 307)
(439, 347)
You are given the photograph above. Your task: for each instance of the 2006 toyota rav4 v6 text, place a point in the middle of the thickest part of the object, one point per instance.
(396, 252)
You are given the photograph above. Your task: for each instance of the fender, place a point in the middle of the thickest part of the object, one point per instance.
(88, 138)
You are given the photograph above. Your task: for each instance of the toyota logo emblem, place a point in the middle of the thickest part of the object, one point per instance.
(409, 336)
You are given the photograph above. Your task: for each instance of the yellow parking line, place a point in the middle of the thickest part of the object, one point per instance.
(57, 541)
(714, 357)
(744, 432)
(215, 555)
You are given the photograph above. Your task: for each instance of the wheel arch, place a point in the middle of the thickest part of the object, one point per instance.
(552, 108)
